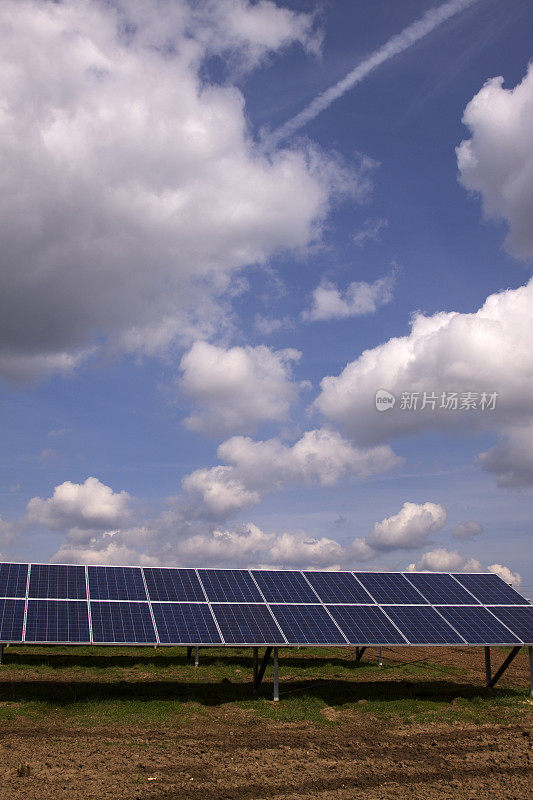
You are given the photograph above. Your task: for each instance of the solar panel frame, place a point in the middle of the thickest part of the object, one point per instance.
(440, 588)
(218, 589)
(338, 587)
(126, 614)
(173, 584)
(116, 583)
(242, 624)
(410, 619)
(388, 588)
(43, 616)
(298, 616)
(471, 622)
(284, 586)
(186, 617)
(351, 618)
(486, 586)
(56, 582)
(521, 623)
(12, 614)
(13, 579)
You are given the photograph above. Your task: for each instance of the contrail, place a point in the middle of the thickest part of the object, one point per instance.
(402, 41)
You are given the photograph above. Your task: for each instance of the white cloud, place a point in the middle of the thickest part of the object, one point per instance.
(237, 388)
(506, 575)
(409, 528)
(497, 161)
(132, 190)
(467, 530)
(370, 231)
(442, 560)
(221, 491)
(87, 506)
(485, 351)
(359, 298)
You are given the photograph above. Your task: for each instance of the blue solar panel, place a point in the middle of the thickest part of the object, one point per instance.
(279, 586)
(365, 625)
(116, 583)
(519, 619)
(173, 584)
(122, 622)
(57, 621)
(477, 626)
(13, 578)
(185, 623)
(57, 580)
(242, 623)
(338, 587)
(490, 589)
(229, 586)
(422, 625)
(440, 588)
(11, 620)
(389, 587)
(307, 625)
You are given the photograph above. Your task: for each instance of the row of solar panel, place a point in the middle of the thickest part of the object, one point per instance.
(63, 621)
(51, 581)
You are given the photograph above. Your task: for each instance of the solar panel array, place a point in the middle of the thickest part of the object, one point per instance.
(66, 604)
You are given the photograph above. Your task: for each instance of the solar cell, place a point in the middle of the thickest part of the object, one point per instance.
(307, 625)
(13, 578)
(518, 618)
(185, 623)
(229, 586)
(57, 581)
(338, 587)
(122, 622)
(490, 589)
(11, 620)
(389, 587)
(365, 625)
(422, 625)
(116, 583)
(243, 623)
(476, 625)
(173, 584)
(284, 586)
(440, 588)
(57, 621)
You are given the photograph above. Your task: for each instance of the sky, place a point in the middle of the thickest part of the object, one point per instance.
(266, 293)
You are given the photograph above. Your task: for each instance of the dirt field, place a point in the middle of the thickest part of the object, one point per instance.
(229, 748)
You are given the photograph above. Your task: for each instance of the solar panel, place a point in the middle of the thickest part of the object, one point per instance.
(57, 581)
(365, 625)
(173, 584)
(284, 586)
(242, 623)
(122, 622)
(490, 589)
(518, 618)
(307, 625)
(440, 588)
(338, 587)
(116, 583)
(13, 578)
(477, 626)
(229, 586)
(422, 625)
(57, 621)
(11, 620)
(185, 623)
(389, 587)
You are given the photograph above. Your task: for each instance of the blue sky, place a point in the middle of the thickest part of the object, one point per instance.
(197, 317)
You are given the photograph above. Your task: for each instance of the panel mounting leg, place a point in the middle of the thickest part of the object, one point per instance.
(380, 659)
(2, 652)
(510, 658)
(488, 672)
(530, 651)
(196, 656)
(189, 655)
(359, 653)
(262, 668)
(276, 680)
(256, 669)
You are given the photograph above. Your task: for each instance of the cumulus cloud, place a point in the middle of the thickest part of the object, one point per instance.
(506, 575)
(497, 161)
(237, 388)
(253, 468)
(360, 297)
(86, 506)
(132, 188)
(467, 530)
(442, 560)
(409, 528)
(511, 460)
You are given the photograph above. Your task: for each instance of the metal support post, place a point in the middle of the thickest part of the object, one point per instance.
(359, 653)
(262, 669)
(189, 655)
(276, 681)
(488, 672)
(380, 659)
(196, 656)
(256, 668)
(511, 657)
(530, 651)
(2, 652)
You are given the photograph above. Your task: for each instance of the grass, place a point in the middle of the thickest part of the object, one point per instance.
(142, 686)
